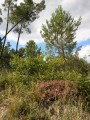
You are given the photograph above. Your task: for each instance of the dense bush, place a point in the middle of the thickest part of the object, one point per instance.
(40, 83)
(77, 64)
(84, 90)
(28, 66)
(47, 92)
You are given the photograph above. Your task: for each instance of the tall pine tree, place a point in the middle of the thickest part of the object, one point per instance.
(59, 32)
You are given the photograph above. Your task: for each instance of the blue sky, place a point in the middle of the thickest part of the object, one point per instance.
(84, 43)
(42, 44)
(76, 8)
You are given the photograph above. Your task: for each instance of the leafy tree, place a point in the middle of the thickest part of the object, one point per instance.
(12, 51)
(19, 31)
(32, 49)
(59, 32)
(21, 52)
(27, 12)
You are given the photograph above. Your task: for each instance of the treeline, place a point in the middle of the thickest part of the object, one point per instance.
(30, 50)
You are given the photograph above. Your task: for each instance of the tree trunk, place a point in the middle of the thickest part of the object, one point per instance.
(62, 47)
(63, 53)
(9, 32)
(12, 28)
(18, 38)
(6, 32)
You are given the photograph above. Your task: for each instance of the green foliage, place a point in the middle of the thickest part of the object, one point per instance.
(77, 64)
(84, 90)
(17, 63)
(35, 65)
(57, 68)
(20, 15)
(28, 11)
(59, 32)
(24, 14)
(28, 66)
(32, 49)
(21, 52)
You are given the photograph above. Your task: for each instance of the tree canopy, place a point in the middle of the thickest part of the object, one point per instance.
(32, 49)
(27, 12)
(59, 32)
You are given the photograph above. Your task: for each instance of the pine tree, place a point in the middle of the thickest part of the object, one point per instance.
(59, 32)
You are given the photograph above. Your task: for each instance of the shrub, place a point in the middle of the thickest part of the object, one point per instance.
(77, 64)
(47, 92)
(84, 90)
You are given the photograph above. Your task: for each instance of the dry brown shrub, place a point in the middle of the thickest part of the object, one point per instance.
(49, 91)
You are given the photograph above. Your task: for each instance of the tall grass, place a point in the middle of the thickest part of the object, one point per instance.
(62, 109)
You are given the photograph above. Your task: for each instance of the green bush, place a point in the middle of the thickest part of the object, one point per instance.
(84, 89)
(77, 64)
(28, 66)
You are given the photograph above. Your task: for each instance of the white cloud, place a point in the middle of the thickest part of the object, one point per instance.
(85, 52)
(82, 35)
(79, 8)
